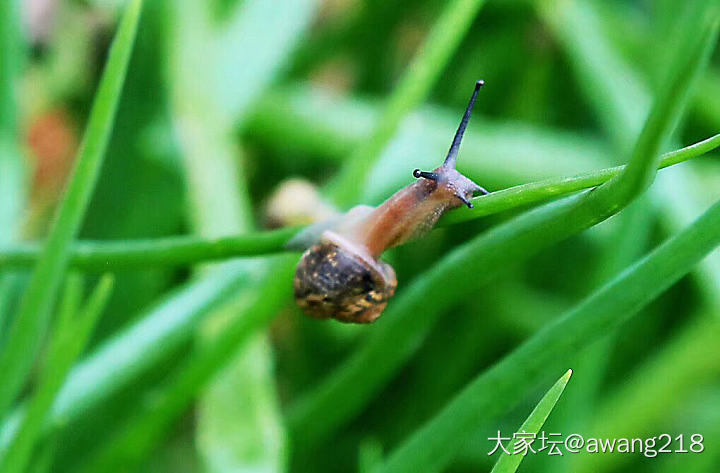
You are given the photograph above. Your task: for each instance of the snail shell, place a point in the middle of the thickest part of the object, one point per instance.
(337, 279)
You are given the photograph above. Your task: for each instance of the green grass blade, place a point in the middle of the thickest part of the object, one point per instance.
(535, 192)
(130, 353)
(238, 424)
(494, 392)
(419, 78)
(32, 318)
(401, 330)
(70, 336)
(676, 88)
(12, 169)
(98, 255)
(536, 419)
(370, 455)
(135, 438)
(592, 59)
(90, 255)
(582, 28)
(10, 58)
(693, 358)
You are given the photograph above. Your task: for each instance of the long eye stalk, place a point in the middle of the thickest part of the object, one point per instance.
(446, 175)
(451, 159)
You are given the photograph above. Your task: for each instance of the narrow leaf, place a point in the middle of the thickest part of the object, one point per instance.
(72, 332)
(536, 419)
(32, 318)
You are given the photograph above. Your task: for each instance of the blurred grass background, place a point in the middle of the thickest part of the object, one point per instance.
(211, 368)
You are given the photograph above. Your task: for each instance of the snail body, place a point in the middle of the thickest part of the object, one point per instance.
(342, 276)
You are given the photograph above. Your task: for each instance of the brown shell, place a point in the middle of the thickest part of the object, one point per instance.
(333, 282)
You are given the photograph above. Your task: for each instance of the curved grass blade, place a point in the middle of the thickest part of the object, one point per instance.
(402, 329)
(12, 169)
(71, 334)
(581, 29)
(90, 255)
(495, 391)
(536, 419)
(29, 325)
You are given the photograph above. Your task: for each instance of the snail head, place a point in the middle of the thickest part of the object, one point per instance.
(446, 175)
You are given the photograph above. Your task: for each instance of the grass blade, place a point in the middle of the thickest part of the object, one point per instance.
(229, 434)
(693, 359)
(401, 330)
(536, 419)
(11, 162)
(494, 392)
(33, 314)
(580, 26)
(129, 354)
(90, 255)
(134, 440)
(68, 340)
(535, 192)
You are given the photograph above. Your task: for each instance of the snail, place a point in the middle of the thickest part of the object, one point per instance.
(342, 276)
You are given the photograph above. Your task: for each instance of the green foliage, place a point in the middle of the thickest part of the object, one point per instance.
(534, 422)
(225, 100)
(73, 329)
(32, 317)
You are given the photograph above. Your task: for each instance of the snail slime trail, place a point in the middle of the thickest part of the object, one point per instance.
(342, 276)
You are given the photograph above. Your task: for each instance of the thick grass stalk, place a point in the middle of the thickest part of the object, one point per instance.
(419, 78)
(31, 321)
(536, 419)
(409, 318)
(497, 390)
(71, 334)
(97, 255)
